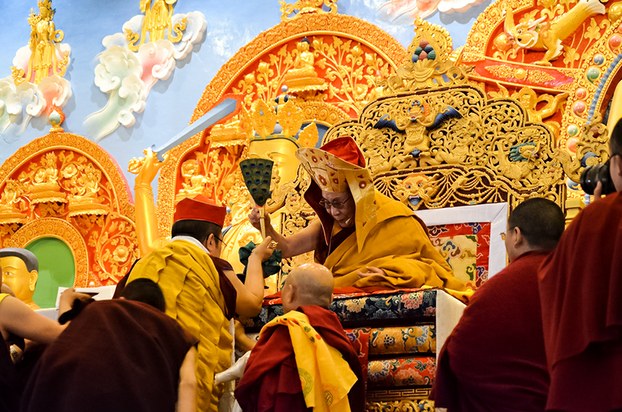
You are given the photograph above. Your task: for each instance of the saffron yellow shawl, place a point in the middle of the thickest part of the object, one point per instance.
(393, 240)
(325, 377)
(191, 287)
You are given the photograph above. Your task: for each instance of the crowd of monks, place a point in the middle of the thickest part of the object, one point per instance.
(543, 334)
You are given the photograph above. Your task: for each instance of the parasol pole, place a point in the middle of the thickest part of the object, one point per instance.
(262, 221)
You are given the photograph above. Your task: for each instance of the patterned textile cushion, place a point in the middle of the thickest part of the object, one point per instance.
(419, 339)
(381, 308)
(404, 371)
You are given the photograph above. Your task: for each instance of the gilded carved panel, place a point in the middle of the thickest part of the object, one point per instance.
(64, 186)
(566, 55)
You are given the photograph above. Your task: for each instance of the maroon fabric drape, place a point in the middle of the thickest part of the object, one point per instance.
(581, 293)
(494, 360)
(8, 380)
(271, 382)
(117, 355)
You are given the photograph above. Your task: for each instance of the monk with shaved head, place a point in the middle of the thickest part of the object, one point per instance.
(303, 359)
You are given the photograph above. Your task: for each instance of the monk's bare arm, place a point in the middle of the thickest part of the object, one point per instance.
(250, 293)
(16, 317)
(186, 394)
(302, 242)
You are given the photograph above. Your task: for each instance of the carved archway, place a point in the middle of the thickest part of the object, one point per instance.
(341, 44)
(64, 186)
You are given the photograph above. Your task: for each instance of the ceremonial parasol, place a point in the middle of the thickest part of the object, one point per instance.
(257, 175)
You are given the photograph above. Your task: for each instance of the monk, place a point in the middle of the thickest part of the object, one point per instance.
(201, 290)
(581, 291)
(365, 238)
(116, 355)
(307, 344)
(494, 360)
(18, 320)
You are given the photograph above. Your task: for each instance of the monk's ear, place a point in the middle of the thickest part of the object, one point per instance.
(519, 238)
(32, 279)
(288, 294)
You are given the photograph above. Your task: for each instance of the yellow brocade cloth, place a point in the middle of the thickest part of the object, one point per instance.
(393, 240)
(2, 296)
(190, 283)
(326, 378)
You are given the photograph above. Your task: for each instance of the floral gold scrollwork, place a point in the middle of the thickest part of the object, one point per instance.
(592, 148)
(350, 69)
(430, 62)
(464, 149)
(74, 184)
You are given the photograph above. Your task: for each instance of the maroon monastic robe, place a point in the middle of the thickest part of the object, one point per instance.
(271, 382)
(494, 360)
(581, 291)
(116, 355)
(9, 395)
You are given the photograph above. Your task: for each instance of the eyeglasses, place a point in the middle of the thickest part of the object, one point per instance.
(220, 240)
(502, 234)
(335, 204)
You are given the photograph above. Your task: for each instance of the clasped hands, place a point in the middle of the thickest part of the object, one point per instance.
(371, 271)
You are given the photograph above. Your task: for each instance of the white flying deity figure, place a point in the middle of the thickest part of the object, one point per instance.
(127, 71)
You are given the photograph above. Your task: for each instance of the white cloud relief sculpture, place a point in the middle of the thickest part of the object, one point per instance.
(36, 86)
(127, 71)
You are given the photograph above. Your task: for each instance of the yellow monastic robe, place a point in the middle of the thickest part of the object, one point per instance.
(393, 240)
(191, 287)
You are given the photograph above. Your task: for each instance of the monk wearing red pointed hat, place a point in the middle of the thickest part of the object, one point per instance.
(201, 290)
(365, 238)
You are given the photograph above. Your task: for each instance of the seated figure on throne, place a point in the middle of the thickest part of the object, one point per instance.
(303, 76)
(368, 240)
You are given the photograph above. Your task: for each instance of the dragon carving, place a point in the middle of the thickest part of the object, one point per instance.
(542, 35)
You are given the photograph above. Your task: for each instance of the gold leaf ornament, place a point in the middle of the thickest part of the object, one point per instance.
(263, 118)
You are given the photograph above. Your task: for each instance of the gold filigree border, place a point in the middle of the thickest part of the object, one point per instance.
(58, 229)
(485, 24)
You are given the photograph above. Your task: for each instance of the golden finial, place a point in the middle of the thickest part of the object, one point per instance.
(290, 11)
(263, 118)
(56, 118)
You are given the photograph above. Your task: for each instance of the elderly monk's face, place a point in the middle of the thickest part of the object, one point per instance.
(16, 276)
(341, 207)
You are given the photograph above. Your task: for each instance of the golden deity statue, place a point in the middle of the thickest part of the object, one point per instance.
(277, 136)
(20, 271)
(303, 76)
(44, 60)
(157, 18)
